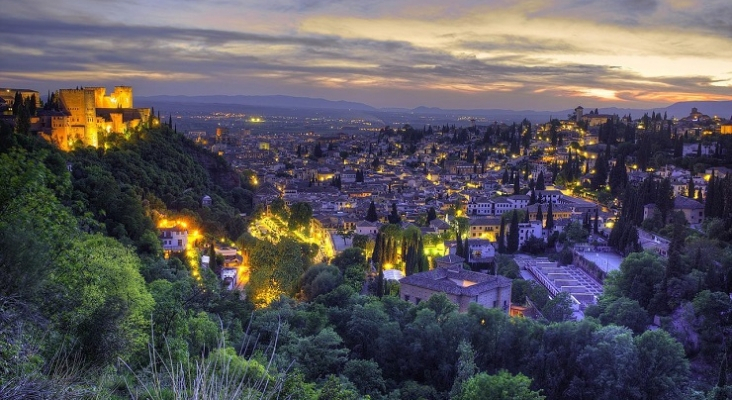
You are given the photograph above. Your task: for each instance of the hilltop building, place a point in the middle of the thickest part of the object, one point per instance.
(461, 286)
(87, 115)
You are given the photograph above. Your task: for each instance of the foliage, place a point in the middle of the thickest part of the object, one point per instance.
(502, 386)
(558, 309)
(100, 297)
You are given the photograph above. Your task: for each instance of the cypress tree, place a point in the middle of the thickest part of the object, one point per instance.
(17, 103)
(691, 191)
(597, 218)
(516, 185)
(459, 250)
(539, 215)
(540, 185)
(513, 234)
(549, 218)
(371, 215)
(431, 215)
(501, 236)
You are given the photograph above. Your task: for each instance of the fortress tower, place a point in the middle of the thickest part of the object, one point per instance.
(88, 115)
(81, 107)
(121, 97)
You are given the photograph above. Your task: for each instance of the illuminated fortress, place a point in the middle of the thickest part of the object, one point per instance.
(86, 116)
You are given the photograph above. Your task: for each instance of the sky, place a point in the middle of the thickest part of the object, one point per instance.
(468, 54)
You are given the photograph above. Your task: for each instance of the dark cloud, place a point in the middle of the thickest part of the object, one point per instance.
(171, 51)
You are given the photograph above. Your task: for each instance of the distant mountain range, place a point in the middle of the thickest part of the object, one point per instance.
(679, 110)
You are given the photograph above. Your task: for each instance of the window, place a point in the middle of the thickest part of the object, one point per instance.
(406, 297)
(180, 243)
(495, 303)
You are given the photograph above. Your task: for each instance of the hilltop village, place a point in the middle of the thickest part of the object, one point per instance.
(454, 183)
(613, 227)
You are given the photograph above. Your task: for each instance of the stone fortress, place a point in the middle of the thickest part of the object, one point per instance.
(87, 115)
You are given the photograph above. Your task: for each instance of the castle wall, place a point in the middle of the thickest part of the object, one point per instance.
(91, 113)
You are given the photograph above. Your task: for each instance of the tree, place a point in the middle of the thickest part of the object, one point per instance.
(623, 311)
(335, 389)
(318, 151)
(101, 298)
(502, 236)
(394, 217)
(513, 234)
(540, 183)
(466, 367)
(609, 366)
(278, 208)
(691, 191)
(638, 276)
(599, 178)
(300, 215)
(516, 185)
(663, 369)
(549, 218)
(559, 309)
(366, 375)
(320, 279)
(665, 200)
(320, 355)
(539, 215)
(350, 256)
(431, 215)
(502, 386)
(371, 215)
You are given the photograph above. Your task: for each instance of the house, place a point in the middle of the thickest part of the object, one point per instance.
(461, 286)
(692, 209)
(485, 228)
(480, 251)
(229, 278)
(527, 230)
(367, 227)
(174, 238)
(480, 206)
(439, 226)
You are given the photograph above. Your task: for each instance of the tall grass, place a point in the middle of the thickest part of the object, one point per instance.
(220, 375)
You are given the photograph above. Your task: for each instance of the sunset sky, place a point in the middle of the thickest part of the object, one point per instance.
(541, 55)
